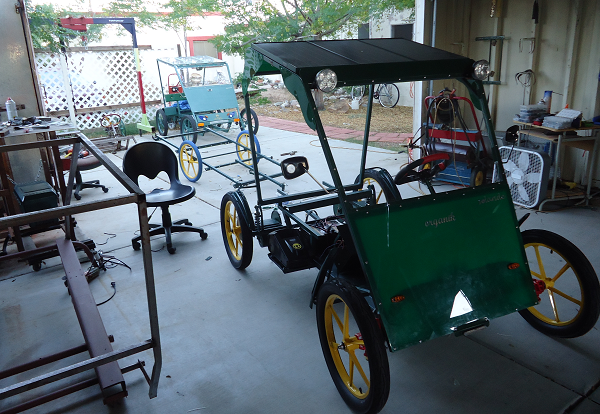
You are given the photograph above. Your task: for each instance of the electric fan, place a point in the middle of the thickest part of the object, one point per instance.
(527, 173)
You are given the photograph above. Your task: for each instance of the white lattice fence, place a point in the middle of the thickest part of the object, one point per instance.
(102, 82)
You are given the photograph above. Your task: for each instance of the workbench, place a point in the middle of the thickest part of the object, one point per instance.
(103, 359)
(562, 139)
(50, 164)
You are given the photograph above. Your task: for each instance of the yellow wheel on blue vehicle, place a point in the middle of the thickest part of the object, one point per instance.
(190, 161)
(566, 284)
(243, 152)
(235, 230)
(353, 347)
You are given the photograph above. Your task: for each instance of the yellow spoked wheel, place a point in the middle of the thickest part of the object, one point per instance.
(353, 347)
(566, 284)
(190, 161)
(243, 148)
(236, 232)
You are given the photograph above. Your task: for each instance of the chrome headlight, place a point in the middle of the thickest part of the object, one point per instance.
(481, 69)
(326, 80)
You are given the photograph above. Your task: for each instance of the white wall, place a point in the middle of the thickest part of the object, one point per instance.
(383, 29)
(566, 57)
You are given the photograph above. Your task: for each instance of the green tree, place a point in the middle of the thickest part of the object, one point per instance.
(250, 21)
(46, 31)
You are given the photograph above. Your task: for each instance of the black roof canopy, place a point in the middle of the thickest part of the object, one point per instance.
(365, 61)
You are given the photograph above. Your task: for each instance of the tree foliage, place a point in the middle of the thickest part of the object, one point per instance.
(46, 32)
(250, 21)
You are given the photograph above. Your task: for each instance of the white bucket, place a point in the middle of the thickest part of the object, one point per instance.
(355, 104)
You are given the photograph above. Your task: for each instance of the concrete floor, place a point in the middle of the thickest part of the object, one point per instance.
(246, 342)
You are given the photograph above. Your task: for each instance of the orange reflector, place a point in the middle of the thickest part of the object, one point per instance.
(513, 266)
(200, 123)
(237, 119)
(398, 298)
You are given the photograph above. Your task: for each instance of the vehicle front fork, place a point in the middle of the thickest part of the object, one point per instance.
(324, 270)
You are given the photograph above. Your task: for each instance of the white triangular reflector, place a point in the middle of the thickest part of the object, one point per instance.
(461, 305)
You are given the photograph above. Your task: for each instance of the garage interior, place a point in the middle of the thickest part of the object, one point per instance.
(246, 341)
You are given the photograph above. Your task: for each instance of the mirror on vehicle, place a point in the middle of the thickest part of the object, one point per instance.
(512, 135)
(294, 167)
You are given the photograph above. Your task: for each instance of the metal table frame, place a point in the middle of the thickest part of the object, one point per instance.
(586, 143)
(108, 373)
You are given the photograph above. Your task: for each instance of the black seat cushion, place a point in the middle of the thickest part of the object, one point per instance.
(149, 159)
(175, 194)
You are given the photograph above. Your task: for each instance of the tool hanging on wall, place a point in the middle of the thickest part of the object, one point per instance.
(526, 79)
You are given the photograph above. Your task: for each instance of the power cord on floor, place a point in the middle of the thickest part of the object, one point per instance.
(114, 286)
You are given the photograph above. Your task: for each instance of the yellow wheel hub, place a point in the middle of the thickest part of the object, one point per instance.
(233, 231)
(349, 366)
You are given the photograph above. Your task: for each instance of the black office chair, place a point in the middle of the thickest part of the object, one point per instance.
(149, 159)
(84, 164)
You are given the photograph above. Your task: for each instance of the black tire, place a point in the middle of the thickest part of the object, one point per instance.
(333, 298)
(236, 232)
(385, 189)
(255, 123)
(189, 128)
(478, 174)
(162, 123)
(389, 95)
(566, 271)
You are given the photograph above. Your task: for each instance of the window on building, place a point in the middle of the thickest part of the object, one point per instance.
(363, 31)
(402, 31)
(205, 48)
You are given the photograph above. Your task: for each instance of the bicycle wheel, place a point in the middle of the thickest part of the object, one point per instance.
(567, 285)
(388, 94)
(357, 91)
(353, 347)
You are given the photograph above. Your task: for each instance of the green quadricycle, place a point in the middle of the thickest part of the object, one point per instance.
(393, 270)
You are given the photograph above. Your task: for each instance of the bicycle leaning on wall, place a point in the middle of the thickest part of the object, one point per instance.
(387, 94)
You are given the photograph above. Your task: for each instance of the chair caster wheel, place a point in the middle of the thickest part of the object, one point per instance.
(136, 245)
(203, 235)
(37, 266)
(105, 189)
(171, 249)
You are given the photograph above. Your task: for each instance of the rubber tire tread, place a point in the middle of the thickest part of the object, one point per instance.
(588, 280)
(374, 344)
(247, 248)
(194, 134)
(391, 193)
(255, 123)
(162, 121)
